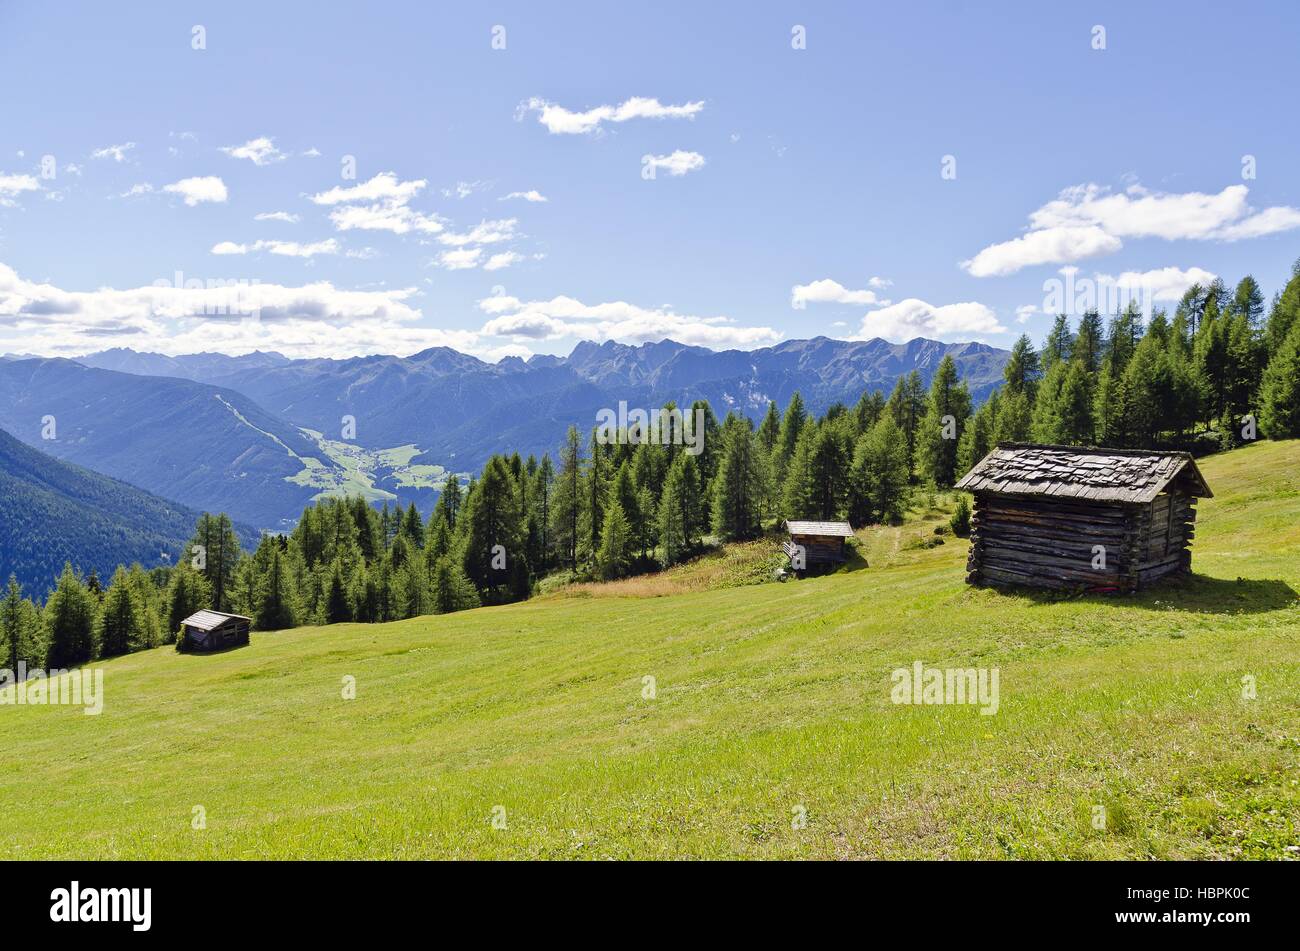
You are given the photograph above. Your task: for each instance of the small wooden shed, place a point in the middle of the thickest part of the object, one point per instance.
(1072, 517)
(214, 630)
(822, 542)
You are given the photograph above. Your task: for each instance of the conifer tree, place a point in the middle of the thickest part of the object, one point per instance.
(451, 590)
(735, 508)
(612, 556)
(494, 555)
(338, 609)
(1279, 395)
(20, 630)
(120, 622)
(218, 556)
(907, 406)
(277, 607)
(1023, 369)
(70, 621)
(792, 425)
(947, 409)
(769, 431)
(1059, 345)
(567, 501)
(187, 593)
(880, 469)
(867, 411)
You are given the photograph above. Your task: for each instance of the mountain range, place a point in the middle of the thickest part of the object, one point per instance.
(260, 435)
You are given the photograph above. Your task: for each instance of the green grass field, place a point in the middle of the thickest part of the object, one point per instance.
(772, 703)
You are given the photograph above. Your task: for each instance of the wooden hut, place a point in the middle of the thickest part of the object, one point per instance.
(1069, 517)
(822, 543)
(214, 630)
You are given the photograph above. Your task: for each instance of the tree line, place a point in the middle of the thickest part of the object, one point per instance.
(615, 504)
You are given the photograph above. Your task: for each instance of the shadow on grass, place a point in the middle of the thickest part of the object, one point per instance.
(1199, 594)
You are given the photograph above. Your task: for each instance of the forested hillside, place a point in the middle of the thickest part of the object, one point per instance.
(53, 512)
(203, 446)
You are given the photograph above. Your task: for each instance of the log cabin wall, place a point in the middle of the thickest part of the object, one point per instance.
(1167, 529)
(1047, 542)
(819, 549)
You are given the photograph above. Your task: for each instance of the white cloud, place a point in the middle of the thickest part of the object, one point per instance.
(1024, 312)
(276, 216)
(461, 259)
(383, 187)
(316, 319)
(531, 195)
(913, 318)
(1163, 284)
(259, 151)
(11, 185)
(827, 291)
(485, 232)
(678, 163)
(292, 249)
(617, 320)
(312, 152)
(463, 189)
(116, 152)
(559, 120)
(140, 188)
(384, 216)
(1048, 246)
(1088, 220)
(1269, 221)
(386, 209)
(199, 189)
(502, 260)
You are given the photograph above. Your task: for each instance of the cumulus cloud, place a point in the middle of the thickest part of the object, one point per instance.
(140, 188)
(1088, 220)
(485, 232)
(1163, 284)
(617, 320)
(913, 318)
(380, 204)
(531, 195)
(12, 185)
(503, 260)
(460, 259)
(179, 315)
(259, 151)
(561, 121)
(678, 163)
(1048, 246)
(276, 216)
(292, 249)
(116, 152)
(827, 291)
(205, 188)
(383, 187)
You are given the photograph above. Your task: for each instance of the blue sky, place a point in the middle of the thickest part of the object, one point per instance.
(810, 195)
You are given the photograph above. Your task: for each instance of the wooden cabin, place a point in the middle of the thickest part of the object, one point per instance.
(206, 631)
(822, 543)
(1069, 517)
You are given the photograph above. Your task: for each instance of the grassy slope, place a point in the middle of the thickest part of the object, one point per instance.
(769, 698)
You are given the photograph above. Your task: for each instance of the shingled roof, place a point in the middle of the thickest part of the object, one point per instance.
(835, 529)
(209, 620)
(1107, 475)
